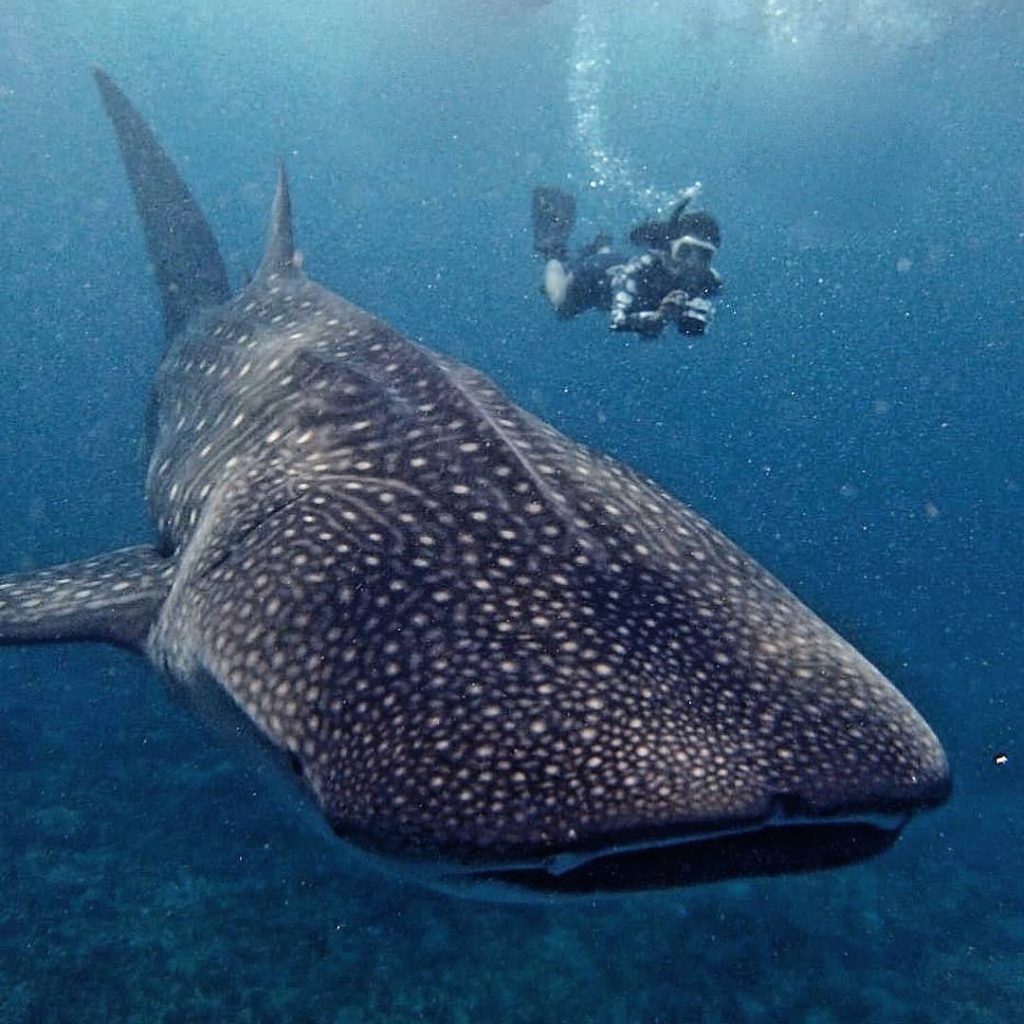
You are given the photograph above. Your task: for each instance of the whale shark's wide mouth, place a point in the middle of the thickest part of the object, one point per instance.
(778, 845)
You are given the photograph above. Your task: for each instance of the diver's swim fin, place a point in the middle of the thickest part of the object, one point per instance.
(554, 217)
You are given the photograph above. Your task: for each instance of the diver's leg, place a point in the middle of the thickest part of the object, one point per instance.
(558, 281)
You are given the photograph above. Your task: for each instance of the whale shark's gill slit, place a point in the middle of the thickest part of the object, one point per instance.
(229, 549)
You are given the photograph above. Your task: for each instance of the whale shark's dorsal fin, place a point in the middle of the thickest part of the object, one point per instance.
(280, 256)
(182, 249)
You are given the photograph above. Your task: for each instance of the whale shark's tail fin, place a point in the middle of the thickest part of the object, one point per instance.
(183, 251)
(113, 598)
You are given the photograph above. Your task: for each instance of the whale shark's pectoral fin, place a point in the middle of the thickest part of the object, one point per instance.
(184, 253)
(113, 598)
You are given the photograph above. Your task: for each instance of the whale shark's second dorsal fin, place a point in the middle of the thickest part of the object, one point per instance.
(280, 256)
(184, 253)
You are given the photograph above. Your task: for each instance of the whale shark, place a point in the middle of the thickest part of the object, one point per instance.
(495, 659)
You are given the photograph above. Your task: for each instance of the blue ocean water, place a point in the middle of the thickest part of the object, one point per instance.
(853, 418)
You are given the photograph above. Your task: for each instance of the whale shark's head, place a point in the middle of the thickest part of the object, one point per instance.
(647, 748)
(637, 706)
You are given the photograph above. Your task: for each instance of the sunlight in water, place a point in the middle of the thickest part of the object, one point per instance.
(611, 169)
(800, 38)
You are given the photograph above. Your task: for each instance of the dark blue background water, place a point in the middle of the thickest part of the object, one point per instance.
(853, 418)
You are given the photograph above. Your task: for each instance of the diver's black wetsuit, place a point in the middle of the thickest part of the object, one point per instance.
(647, 292)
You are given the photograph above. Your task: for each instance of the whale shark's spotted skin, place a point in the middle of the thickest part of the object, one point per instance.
(484, 646)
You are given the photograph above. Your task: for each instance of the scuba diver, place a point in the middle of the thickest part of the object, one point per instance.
(670, 282)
